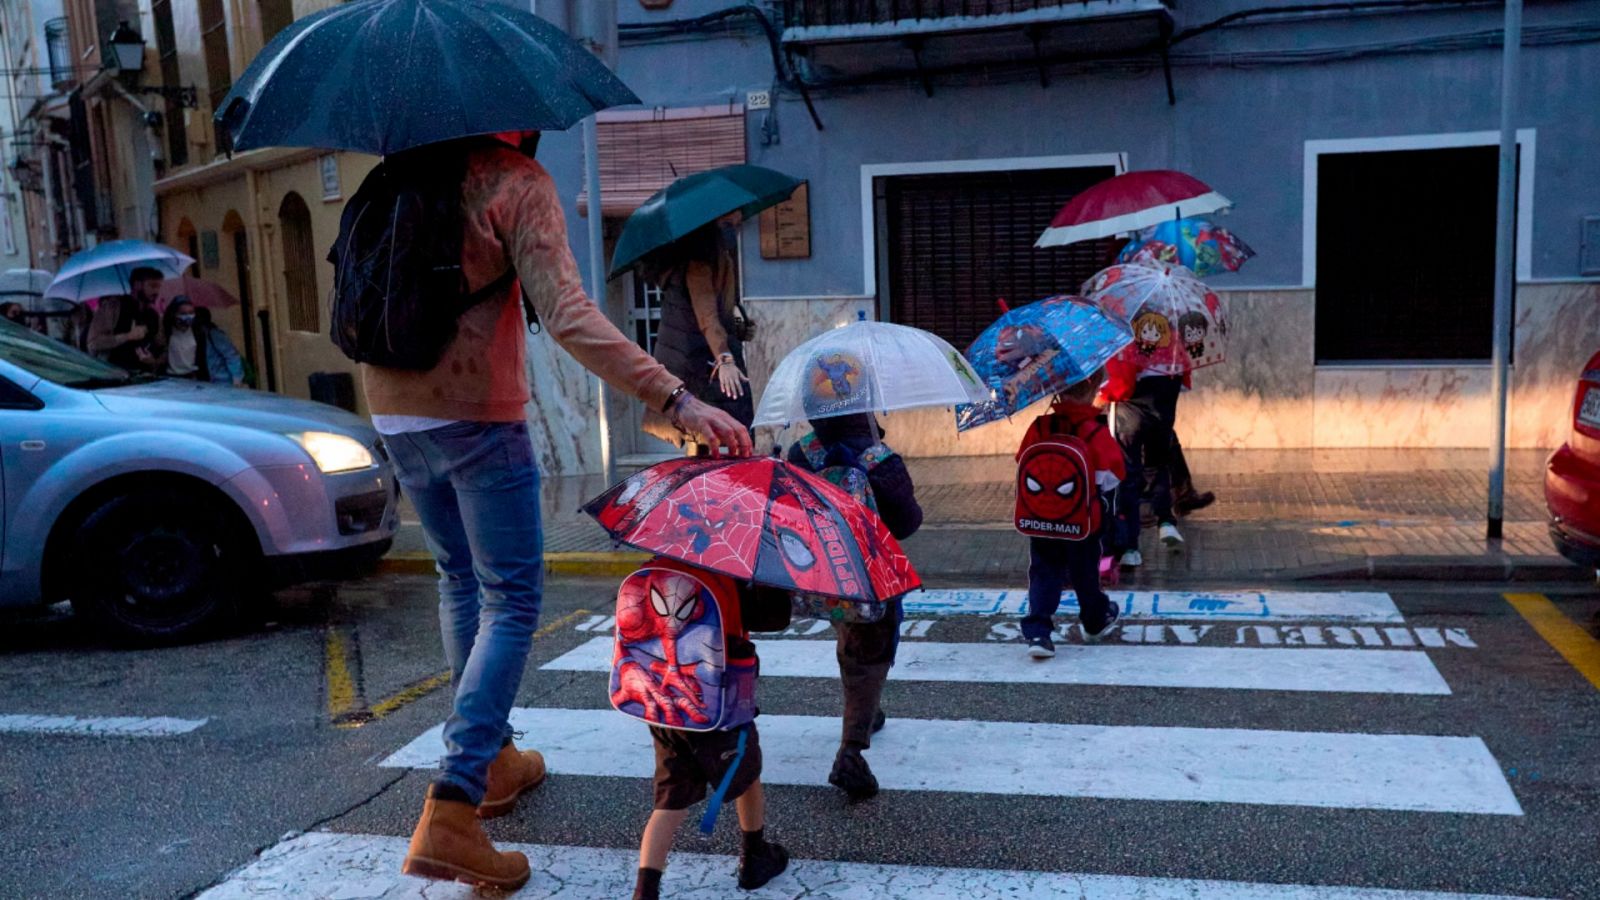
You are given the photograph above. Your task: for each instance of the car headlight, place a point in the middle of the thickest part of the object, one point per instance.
(334, 452)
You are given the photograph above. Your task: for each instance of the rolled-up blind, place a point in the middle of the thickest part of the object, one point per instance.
(643, 151)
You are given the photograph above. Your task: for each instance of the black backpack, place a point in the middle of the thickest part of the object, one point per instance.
(398, 283)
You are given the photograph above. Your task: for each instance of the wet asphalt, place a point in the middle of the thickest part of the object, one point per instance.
(166, 817)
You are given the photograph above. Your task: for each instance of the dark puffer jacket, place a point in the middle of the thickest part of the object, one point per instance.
(892, 490)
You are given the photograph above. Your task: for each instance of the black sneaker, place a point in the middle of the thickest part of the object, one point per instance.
(852, 775)
(878, 720)
(1189, 503)
(1041, 647)
(1094, 637)
(756, 869)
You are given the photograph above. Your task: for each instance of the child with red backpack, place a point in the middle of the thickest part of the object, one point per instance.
(1067, 468)
(684, 663)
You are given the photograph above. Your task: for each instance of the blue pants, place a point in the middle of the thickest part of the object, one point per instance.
(1054, 565)
(476, 488)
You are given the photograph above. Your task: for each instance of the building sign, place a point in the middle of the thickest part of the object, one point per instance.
(786, 228)
(210, 259)
(329, 167)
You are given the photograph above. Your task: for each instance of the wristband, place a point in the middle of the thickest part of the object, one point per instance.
(673, 398)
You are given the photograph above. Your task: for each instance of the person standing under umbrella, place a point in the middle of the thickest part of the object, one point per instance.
(458, 436)
(125, 330)
(701, 335)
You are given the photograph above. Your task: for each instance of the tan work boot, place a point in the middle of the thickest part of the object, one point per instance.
(512, 773)
(449, 844)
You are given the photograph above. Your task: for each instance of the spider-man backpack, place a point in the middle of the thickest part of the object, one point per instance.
(1056, 492)
(681, 658)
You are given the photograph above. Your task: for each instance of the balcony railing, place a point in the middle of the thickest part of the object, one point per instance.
(824, 13)
(58, 51)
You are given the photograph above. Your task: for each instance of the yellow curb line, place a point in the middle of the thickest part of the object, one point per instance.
(341, 684)
(617, 563)
(1570, 639)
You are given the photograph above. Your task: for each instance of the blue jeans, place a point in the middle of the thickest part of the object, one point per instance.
(1054, 565)
(476, 488)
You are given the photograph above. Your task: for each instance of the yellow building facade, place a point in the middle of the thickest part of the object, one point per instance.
(260, 222)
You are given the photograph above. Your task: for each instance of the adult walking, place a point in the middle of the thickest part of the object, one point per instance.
(444, 346)
(126, 330)
(701, 337)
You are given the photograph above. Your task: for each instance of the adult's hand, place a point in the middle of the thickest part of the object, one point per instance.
(136, 333)
(712, 427)
(731, 380)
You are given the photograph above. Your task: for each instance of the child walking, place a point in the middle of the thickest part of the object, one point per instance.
(849, 450)
(1067, 468)
(685, 664)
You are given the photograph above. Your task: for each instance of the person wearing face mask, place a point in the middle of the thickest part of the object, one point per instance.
(184, 358)
(702, 333)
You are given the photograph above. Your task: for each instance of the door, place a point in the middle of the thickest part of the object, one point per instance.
(241, 266)
(644, 321)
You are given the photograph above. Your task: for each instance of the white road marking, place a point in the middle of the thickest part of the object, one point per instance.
(98, 726)
(1217, 765)
(1235, 668)
(1227, 606)
(324, 864)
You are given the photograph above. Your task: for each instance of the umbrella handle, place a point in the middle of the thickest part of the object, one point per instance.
(1004, 306)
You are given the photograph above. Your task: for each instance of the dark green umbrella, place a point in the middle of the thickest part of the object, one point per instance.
(696, 200)
(382, 76)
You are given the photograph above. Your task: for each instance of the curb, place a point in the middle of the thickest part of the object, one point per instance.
(592, 563)
(1446, 568)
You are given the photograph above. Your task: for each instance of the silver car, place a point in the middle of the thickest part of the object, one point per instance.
(158, 506)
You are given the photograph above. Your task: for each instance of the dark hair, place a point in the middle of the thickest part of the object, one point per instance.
(8, 307)
(169, 319)
(202, 316)
(704, 244)
(144, 273)
(1192, 319)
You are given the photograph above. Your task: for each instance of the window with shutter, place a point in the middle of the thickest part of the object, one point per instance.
(643, 151)
(299, 264)
(957, 243)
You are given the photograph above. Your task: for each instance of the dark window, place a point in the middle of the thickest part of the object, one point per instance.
(13, 397)
(956, 244)
(276, 15)
(214, 42)
(299, 264)
(1405, 255)
(167, 51)
(58, 51)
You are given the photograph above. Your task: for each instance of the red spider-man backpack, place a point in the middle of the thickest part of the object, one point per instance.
(681, 657)
(1056, 492)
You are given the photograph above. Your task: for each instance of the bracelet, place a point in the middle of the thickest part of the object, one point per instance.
(673, 398)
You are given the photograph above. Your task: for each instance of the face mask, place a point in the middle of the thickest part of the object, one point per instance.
(186, 320)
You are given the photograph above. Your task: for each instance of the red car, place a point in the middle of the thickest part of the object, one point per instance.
(1572, 478)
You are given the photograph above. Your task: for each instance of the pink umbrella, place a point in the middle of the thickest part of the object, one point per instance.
(198, 291)
(1128, 203)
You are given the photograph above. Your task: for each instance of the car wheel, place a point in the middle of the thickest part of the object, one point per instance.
(156, 564)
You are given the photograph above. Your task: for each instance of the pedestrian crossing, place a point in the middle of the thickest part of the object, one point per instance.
(1368, 768)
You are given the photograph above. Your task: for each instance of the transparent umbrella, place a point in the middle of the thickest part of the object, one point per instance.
(868, 367)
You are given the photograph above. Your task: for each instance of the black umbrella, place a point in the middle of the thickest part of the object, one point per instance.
(382, 76)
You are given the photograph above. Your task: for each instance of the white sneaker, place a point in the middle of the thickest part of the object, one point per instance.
(1132, 560)
(1172, 537)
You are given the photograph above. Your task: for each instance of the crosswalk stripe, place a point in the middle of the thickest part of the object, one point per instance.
(1236, 668)
(327, 864)
(1225, 765)
(1239, 606)
(98, 726)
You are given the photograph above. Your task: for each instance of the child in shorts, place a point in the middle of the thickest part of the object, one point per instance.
(727, 763)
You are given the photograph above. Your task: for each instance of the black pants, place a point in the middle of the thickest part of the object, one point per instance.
(866, 653)
(1144, 429)
(1054, 565)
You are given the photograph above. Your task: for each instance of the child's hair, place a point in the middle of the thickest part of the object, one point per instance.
(1084, 391)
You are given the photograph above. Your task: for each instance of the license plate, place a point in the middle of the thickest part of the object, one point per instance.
(1589, 412)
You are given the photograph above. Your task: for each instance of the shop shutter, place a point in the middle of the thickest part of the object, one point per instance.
(959, 243)
(643, 151)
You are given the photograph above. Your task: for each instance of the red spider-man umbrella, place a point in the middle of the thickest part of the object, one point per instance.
(1130, 202)
(758, 520)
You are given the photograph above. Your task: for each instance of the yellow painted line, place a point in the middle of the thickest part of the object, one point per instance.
(341, 684)
(577, 562)
(1571, 640)
(416, 690)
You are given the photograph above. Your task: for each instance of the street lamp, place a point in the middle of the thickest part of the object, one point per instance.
(126, 61)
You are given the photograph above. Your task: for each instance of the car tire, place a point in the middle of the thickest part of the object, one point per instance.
(157, 565)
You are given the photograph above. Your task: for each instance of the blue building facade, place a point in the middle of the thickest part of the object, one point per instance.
(1358, 148)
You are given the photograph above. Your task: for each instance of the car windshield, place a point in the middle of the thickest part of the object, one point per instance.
(54, 361)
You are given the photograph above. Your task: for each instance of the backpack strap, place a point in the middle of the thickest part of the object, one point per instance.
(875, 456)
(499, 285)
(708, 822)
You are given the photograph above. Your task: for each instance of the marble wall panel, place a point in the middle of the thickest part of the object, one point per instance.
(1558, 329)
(1391, 406)
(1261, 396)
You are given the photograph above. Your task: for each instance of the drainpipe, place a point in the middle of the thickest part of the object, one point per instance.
(1504, 263)
(596, 22)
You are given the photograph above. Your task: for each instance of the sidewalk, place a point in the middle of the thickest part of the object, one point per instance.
(1280, 515)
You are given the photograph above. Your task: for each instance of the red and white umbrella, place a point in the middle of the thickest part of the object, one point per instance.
(1130, 202)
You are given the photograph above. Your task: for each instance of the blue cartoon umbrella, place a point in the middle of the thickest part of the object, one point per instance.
(1037, 350)
(1197, 243)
